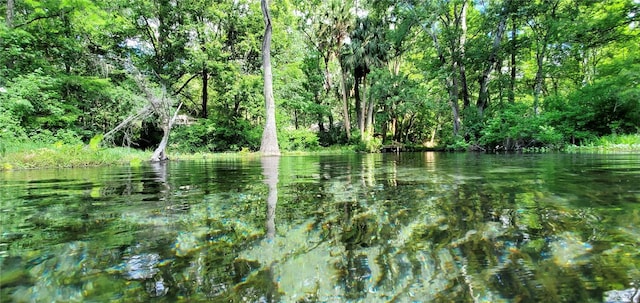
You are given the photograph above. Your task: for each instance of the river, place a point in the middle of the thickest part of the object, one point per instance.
(408, 227)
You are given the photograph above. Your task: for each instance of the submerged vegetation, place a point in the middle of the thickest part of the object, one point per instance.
(435, 227)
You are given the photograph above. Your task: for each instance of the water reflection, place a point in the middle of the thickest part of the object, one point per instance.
(421, 227)
(270, 172)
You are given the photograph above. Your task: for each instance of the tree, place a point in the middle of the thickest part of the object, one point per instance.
(368, 49)
(492, 59)
(10, 9)
(269, 145)
(333, 25)
(447, 29)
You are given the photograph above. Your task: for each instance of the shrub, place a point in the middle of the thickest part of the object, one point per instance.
(298, 139)
(516, 127)
(208, 135)
(458, 144)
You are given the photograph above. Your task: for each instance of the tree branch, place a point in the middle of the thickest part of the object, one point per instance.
(43, 17)
(177, 92)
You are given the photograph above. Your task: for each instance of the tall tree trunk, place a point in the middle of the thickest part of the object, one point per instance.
(345, 104)
(385, 124)
(330, 116)
(370, 108)
(450, 84)
(455, 109)
(464, 88)
(327, 74)
(512, 82)
(10, 10)
(537, 89)
(544, 30)
(359, 107)
(394, 127)
(483, 95)
(205, 91)
(269, 145)
(320, 116)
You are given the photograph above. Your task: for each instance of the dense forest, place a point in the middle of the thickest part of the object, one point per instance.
(486, 75)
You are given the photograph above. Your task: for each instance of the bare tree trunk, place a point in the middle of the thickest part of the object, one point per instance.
(483, 95)
(385, 125)
(464, 88)
(537, 89)
(205, 92)
(160, 153)
(143, 113)
(158, 105)
(455, 109)
(543, 30)
(320, 116)
(269, 145)
(327, 74)
(450, 84)
(370, 108)
(394, 127)
(10, 10)
(359, 108)
(345, 104)
(512, 82)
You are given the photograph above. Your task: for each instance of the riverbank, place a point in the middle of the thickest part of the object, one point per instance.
(25, 155)
(609, 144)
(22, 155)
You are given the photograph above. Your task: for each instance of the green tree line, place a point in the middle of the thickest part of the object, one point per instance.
(490, 75)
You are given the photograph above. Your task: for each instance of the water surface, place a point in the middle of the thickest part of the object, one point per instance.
(413, 227)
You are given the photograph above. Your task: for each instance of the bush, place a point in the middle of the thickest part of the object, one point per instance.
(458, 144)
(516, 127)
(332, 136)
(208, 135)
(9, 127)
(298, 139)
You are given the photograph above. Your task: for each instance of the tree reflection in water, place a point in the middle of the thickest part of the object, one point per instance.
(361, 228)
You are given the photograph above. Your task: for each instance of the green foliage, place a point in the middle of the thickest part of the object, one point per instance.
(369, 145)
(68, 136)
(36, 154)
(611, 105)
(609, 143)
(67, 71)
(10, 127)
(298, 140)
(458, 144)
(333, 136)
(212, 135)
(18, 53)
(34, 99)
(94, 143)
(515, 127)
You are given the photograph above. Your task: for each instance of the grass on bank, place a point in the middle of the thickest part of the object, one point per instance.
(29, 155)
(26, 155)
(610, 143)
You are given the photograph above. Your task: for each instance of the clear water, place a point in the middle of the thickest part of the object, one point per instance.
(413, 227)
